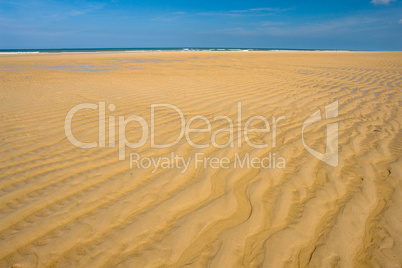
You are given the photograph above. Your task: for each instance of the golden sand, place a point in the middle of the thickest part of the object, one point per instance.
(71, 207)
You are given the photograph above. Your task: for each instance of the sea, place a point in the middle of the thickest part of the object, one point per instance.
(133, 50)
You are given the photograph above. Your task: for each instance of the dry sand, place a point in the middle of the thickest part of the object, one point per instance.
(66, 206)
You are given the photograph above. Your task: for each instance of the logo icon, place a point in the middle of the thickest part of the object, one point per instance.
(330, 156)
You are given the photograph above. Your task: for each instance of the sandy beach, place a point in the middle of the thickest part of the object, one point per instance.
(110, 205)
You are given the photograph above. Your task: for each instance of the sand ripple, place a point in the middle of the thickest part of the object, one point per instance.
(65, 206)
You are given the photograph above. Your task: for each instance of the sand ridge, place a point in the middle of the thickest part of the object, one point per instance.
(66, 206)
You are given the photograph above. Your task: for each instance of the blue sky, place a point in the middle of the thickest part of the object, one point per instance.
(342, 24)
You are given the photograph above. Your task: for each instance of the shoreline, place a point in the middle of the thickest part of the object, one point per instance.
(144, 50)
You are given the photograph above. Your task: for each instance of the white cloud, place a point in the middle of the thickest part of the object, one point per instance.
(254, 9)
(261, 9)
(76, 12)
(381, 2)
(88, 9)
(252, 12)
(179, 13)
